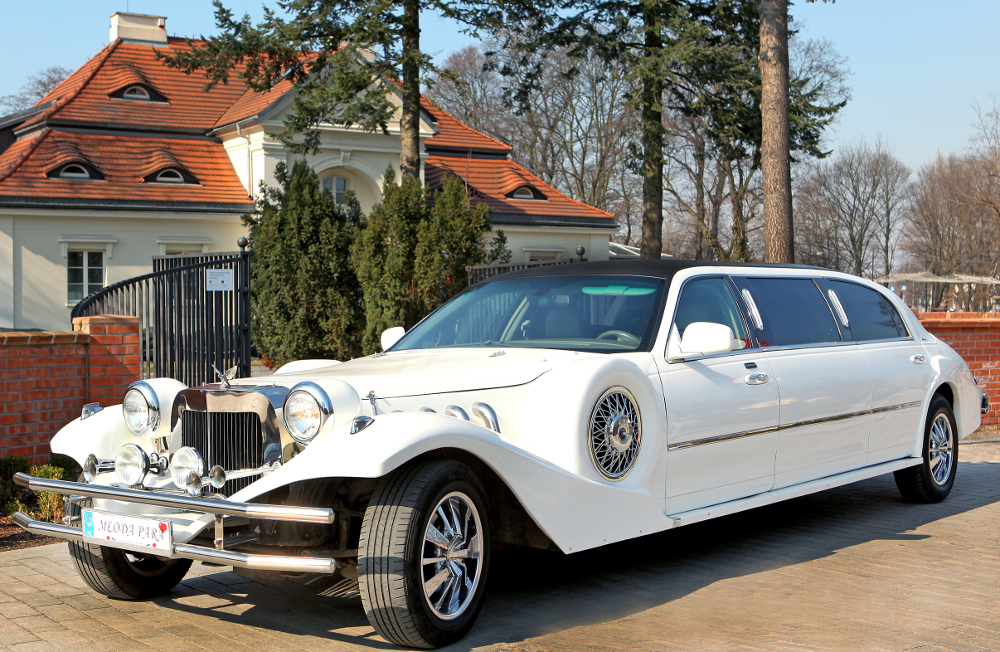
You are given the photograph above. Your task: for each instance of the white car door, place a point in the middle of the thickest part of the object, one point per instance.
(901, 375)
(722, 410)
(824, 382)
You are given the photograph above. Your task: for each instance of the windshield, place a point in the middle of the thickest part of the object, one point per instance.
(608, 314)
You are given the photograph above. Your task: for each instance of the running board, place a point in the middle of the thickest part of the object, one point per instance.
(778, 495)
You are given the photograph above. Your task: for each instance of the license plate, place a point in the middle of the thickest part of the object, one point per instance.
(127, 531)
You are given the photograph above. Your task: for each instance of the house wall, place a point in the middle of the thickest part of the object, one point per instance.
(33, 276)
(562, 242)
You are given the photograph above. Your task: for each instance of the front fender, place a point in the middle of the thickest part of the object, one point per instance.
(575, 513)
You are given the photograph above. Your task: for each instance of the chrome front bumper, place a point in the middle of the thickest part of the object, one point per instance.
(218, 508)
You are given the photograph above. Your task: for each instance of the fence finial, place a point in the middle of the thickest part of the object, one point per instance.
(242, 242)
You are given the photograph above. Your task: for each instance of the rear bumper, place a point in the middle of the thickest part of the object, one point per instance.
(218, 508)
(984, 403)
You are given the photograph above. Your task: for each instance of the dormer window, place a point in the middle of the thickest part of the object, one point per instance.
(75, 171)
(172, 175)
(136, 93)
(139, 93)
(526, 192)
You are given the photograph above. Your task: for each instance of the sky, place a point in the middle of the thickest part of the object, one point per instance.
(919, 68)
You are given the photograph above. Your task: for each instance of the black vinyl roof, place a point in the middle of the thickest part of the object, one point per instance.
(664, 269)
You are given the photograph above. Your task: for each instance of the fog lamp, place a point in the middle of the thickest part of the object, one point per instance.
(186, 467)
(131, 464)
(90, 468)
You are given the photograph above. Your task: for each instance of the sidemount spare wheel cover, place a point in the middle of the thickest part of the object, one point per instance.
(424, 554)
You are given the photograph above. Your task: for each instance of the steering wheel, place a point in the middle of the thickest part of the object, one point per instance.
(620, 336)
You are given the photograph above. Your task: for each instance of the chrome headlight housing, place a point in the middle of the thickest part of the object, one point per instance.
(131, 464)
(307, 407)
(186, 469)
(141, 408)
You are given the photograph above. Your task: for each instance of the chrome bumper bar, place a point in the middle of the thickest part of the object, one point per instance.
(199, 553)
(984, 403)
(187, 503)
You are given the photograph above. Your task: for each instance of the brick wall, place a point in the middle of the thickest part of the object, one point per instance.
(46, 377)
(976, 337)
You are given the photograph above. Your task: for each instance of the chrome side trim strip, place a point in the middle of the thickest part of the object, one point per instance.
(797, 424)
(901, 406)
(199, 553)
(188, 503)
(718, 438)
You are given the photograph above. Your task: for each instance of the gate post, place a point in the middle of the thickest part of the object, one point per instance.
(244, 300)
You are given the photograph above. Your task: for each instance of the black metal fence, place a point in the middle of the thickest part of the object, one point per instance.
(193, 310)
(478, 273)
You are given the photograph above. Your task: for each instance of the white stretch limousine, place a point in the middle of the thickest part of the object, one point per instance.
(563, 407)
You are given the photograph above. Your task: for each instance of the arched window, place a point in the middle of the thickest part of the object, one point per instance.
(136, 93)
(170, 175)
(74, 171)
(336, 186)
(524, 192)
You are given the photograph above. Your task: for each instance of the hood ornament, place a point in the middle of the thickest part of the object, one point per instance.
(224, 378)
(371, 399)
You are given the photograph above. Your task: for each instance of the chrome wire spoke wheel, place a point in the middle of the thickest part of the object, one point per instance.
(615, 433)
(940, 450)
(451, 559)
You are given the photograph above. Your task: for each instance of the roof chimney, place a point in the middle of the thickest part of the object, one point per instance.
(139, 28)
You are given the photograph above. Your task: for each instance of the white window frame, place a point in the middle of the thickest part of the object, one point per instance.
(531, 250)
(187, 244)
(530, 196)
(179, 179)
(65, 174)
(87, 242)
(86, 272)
(143, 97)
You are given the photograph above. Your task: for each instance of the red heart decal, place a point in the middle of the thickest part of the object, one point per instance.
(154, 545)
(109, 538)
(163, 527)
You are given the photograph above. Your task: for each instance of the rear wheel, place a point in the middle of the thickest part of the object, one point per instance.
(125, 575)
(932, 480)
(424, 554)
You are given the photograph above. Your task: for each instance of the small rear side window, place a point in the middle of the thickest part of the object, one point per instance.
(793, 310)
(870, 315)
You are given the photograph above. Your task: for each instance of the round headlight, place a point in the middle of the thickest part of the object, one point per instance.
(131, 464)
(141, 408)
(186, 465)
(306, 410)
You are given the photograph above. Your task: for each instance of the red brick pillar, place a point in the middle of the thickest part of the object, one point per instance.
(113, 356)
(976, 337)
(42, 387)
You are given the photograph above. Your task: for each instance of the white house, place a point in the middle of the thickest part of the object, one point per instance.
(127, 159)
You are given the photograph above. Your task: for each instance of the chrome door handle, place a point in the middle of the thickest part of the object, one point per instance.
(916, 358)
(755, 379)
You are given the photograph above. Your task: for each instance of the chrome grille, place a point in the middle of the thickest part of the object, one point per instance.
(233, 440)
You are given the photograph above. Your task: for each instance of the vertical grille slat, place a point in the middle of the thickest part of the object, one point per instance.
(233, 440)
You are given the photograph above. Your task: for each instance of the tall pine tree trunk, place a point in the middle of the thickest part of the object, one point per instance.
(409, 126)
(652, 137)
(775, 160)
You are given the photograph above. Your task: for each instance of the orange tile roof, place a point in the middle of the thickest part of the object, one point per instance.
(252, 103)
(453, 135)
(124, 162)
(491, 179)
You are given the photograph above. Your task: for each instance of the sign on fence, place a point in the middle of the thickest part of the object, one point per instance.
(218, 280)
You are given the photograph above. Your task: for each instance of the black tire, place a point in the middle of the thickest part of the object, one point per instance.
(124, 576)
(922, 483)
(391, 554)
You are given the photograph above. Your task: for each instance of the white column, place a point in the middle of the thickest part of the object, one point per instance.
(6, 271)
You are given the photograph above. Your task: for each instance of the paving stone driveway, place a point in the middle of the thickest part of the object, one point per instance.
(853, 568)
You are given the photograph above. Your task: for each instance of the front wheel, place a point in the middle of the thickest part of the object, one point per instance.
(424, 554)
(932, 480)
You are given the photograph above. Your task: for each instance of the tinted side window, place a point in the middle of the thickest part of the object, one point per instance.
(709, 299)
(870, 315)
(793, 311)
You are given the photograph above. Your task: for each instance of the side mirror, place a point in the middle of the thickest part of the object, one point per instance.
(392, 335)
(702, 338)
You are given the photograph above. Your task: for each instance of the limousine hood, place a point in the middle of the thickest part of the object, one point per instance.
(423, 372)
